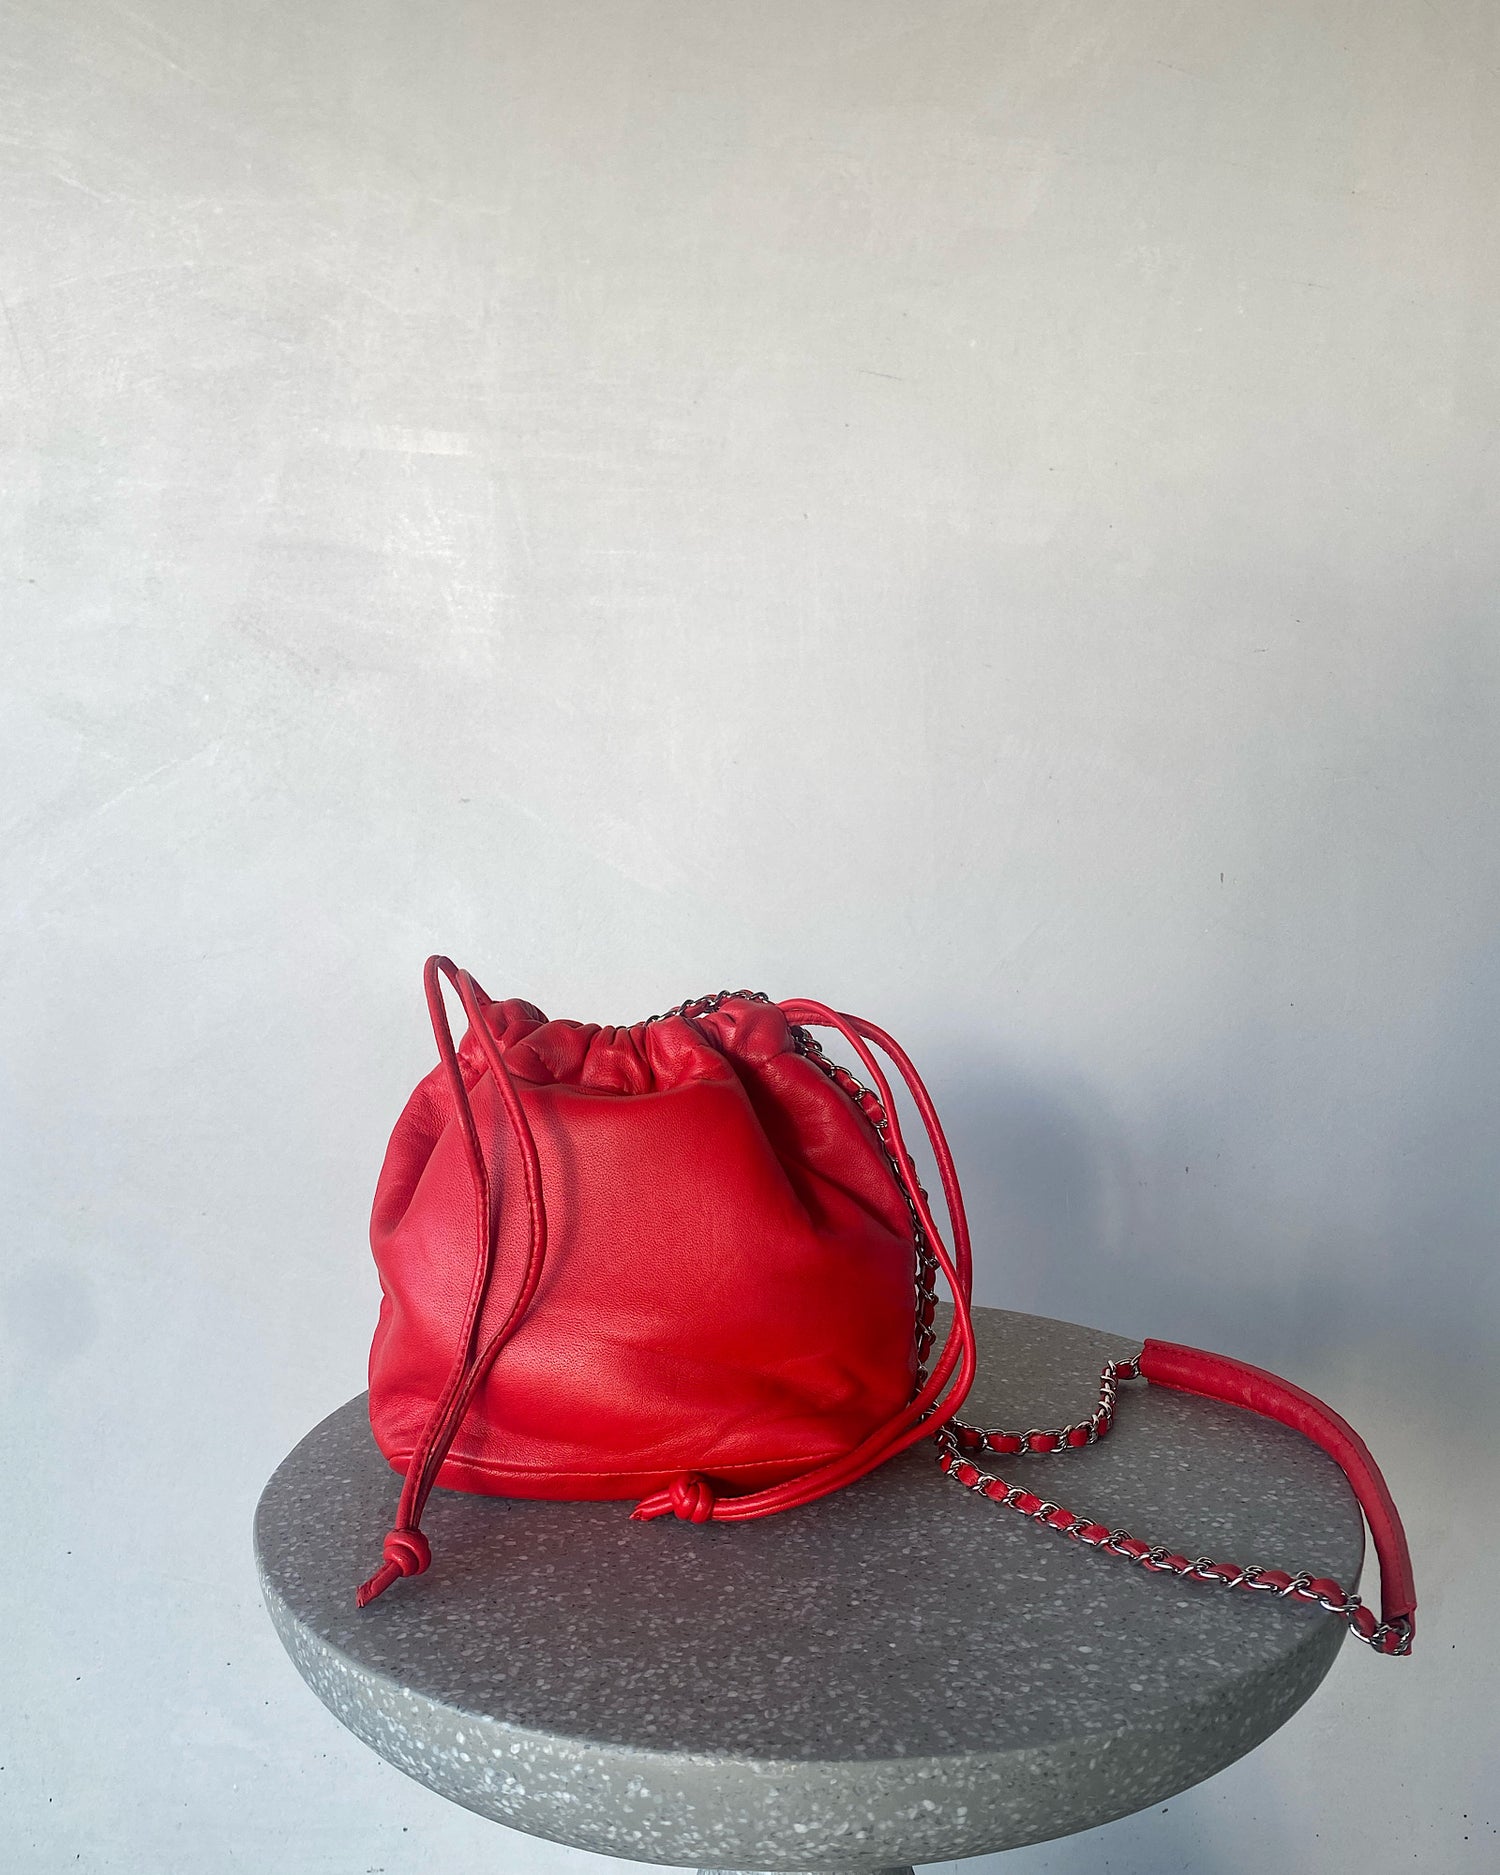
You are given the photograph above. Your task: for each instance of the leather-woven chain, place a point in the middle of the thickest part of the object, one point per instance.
(955, 1439)
(926, 1265)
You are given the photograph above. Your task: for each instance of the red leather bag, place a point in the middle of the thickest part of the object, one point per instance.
(704, 1251)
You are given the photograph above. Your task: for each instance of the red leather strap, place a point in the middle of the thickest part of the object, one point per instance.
(406, 1550)
(953, 1196)
(1190, 1370)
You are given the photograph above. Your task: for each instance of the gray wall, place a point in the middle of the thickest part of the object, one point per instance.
(984, 512)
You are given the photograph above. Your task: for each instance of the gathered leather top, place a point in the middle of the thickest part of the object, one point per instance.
(646, 1058)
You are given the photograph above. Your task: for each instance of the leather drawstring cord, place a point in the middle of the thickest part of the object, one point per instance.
(406, 1550)
(690, 1496)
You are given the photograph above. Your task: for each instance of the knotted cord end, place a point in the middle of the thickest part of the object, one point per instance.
(689, 1497)
(407, 1553)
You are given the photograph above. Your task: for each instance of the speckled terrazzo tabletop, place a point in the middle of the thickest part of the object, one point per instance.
(899, 1673)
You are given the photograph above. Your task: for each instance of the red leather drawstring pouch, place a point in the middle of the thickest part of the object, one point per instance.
(690, 1263)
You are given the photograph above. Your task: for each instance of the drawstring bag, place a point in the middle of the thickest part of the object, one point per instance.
(703, 1252)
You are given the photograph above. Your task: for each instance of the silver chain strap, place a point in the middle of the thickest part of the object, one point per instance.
(955, 1441)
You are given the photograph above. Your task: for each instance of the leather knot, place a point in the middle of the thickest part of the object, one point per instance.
(692, 1498)
(408, 1550)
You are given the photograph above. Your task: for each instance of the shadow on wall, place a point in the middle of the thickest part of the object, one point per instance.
(1073, 1215)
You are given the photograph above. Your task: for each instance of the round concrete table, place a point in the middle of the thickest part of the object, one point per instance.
(899, 1673)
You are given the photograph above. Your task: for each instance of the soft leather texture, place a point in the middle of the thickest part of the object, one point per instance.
(728, 1283)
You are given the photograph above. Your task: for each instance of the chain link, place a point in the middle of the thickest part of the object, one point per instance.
(1034, 1440)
